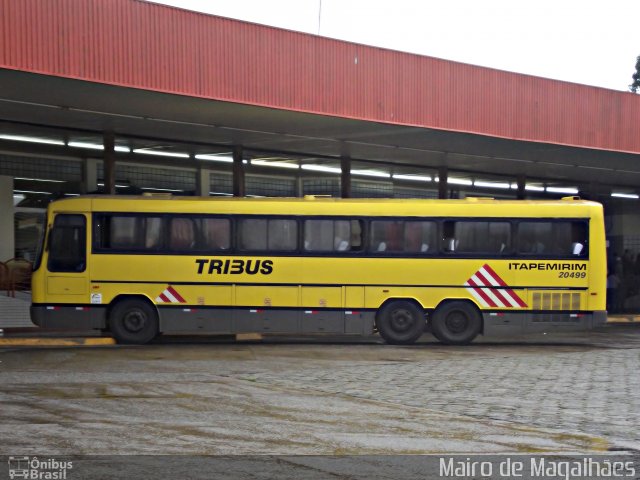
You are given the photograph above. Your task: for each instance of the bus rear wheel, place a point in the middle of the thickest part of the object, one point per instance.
(400, 322)
(456, 323)
(133, 321)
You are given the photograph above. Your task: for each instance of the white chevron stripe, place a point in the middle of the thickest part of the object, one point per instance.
(167, 294)
(487, 291)
(476, 295)
(505, 292)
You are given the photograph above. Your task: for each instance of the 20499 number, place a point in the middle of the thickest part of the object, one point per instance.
(572, 274)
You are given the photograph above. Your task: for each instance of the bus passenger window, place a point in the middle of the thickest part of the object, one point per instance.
(578, 239)
(420, 236)
(252, 234)
(283, 235)
(386, 235)
(341, 235)
(273, 234)
(128, 232)
(123, 232)
(216, 234)
(153, 233)
(448, 240)
(355, 240)
(478, 237)
(182, 236)
(332, 235)
(553, 239)
(318, 235)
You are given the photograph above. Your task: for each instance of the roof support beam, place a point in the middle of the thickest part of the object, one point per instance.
(203, 181)
(522, 180)
(109, 143)
(89, 175)
(443, 174)
(238, 173)
(345, 177)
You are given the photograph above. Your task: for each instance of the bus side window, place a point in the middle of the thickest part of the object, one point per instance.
(578, 239)
(355, 240)
(533, 237)
(283, 235)
(332, 235)
(153, 233)
(181, 234)
(448, 239)
(420, 236)
(318, 235)
(387, 235)
(341, 235)
(216, 234)
(553, 239)
(123, 232)
(252, 234)
(484, 237)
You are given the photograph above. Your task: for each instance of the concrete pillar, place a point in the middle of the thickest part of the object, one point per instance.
(89, 175)
(443, 174)
(299, 186)
(521, 187)
(7, 244)
(345, 177)
(203, 182)
(238, 173)
(109, 163)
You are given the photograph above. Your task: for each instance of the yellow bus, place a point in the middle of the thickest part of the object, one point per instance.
(143, 266)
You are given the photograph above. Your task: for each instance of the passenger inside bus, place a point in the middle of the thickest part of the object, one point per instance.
(182, 235)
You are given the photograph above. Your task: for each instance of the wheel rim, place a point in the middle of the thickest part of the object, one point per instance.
(401, 320)
(134, 321)
(457, 322)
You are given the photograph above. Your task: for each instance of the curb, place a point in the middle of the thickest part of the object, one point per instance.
(54, 342)
(628, 319)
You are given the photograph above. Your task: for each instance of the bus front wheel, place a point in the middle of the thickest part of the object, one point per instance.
(133, 321)
(456, 323)
(400, 322)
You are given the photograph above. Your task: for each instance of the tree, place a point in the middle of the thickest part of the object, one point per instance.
(636, 78)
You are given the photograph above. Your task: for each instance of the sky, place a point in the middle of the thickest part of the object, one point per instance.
(593, 42)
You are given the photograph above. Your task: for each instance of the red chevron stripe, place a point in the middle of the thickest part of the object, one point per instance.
(479, 291)
(495, 291)
(177, 296)
(516, 298)
(494, 275)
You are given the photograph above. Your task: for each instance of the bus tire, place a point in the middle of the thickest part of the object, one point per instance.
(400, 322)
(456, 323)
(133, 321)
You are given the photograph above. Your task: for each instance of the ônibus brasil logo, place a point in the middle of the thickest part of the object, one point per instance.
(490, 290)
(40, 469)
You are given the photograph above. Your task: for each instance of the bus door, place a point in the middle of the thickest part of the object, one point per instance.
(67, 276)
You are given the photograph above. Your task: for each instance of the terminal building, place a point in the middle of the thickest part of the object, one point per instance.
(128, 96)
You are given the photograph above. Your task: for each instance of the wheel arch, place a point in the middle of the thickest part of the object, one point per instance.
(130, 296)
(396, 299)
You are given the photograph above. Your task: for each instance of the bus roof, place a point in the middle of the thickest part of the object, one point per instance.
(316, 205)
